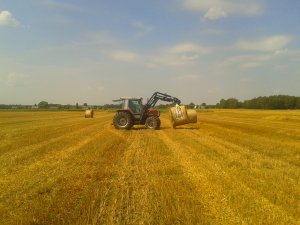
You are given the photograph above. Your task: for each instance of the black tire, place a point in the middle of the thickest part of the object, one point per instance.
(153, 123)
(123, 120)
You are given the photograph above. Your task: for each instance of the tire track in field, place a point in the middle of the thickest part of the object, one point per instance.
(49, 160)
(55, 130)
(139, 194)
(266, 150)
(124, 206)
(68, 166)
(225, 146)
(13, 156)
(253, 124)
(19, 160)
(215, 198)
(237, 154)
(131, 205)
(117, 201)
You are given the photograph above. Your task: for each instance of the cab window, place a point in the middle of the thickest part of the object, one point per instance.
(134, 105)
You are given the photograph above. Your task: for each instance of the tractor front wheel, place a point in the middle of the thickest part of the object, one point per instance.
(153, 123)
(123, 120)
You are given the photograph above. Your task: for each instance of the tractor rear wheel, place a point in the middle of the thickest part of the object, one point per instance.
(153, 122)
(123, 120)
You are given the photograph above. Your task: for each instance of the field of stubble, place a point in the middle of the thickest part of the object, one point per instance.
(232, 167)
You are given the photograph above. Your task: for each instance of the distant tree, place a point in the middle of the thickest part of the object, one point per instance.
(298, 103)
(222, 103)
(203, 104)
(77, 106)
(191, 105)
(85, 104)
(270, 102)
(43, 104)
(291, 102)
(230, 103)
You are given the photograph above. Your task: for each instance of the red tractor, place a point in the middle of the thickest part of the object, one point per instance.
(134, 112)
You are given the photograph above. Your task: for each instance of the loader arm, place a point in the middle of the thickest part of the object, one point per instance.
(160, 96)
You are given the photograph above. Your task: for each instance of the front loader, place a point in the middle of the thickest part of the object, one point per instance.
(133, 112)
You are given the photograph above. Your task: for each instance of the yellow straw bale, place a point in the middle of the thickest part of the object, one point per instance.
(89, 113)
(192, 115)
(180, 115)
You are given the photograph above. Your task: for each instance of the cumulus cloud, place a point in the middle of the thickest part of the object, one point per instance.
(260, 59)
(7, 19)
(188, 47)
(269, 44)
(247, 61)
(180, 54)
(217, 9)
(124, 56)
(215, 13)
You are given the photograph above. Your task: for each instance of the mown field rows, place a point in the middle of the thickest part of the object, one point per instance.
(232, 167)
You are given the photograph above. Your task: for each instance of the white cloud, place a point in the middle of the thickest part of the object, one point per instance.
(179, 55)
(258, 60)
(281, 52)
(247, 61)
(190, 57)
(124, 56)
(215, 13)
(217, 9)
(270, 44)
(188, 47)
(7, 19)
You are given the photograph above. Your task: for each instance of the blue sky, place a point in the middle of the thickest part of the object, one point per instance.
(199, 51)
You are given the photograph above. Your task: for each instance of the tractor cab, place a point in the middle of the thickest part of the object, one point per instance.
(134, 105)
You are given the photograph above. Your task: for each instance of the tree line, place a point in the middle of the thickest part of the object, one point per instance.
(270, 102)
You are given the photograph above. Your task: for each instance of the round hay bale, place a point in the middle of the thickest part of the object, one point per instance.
(89, 113)
(192, 115)
(178, 116)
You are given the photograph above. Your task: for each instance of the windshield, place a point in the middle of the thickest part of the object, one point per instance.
(135, 106)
